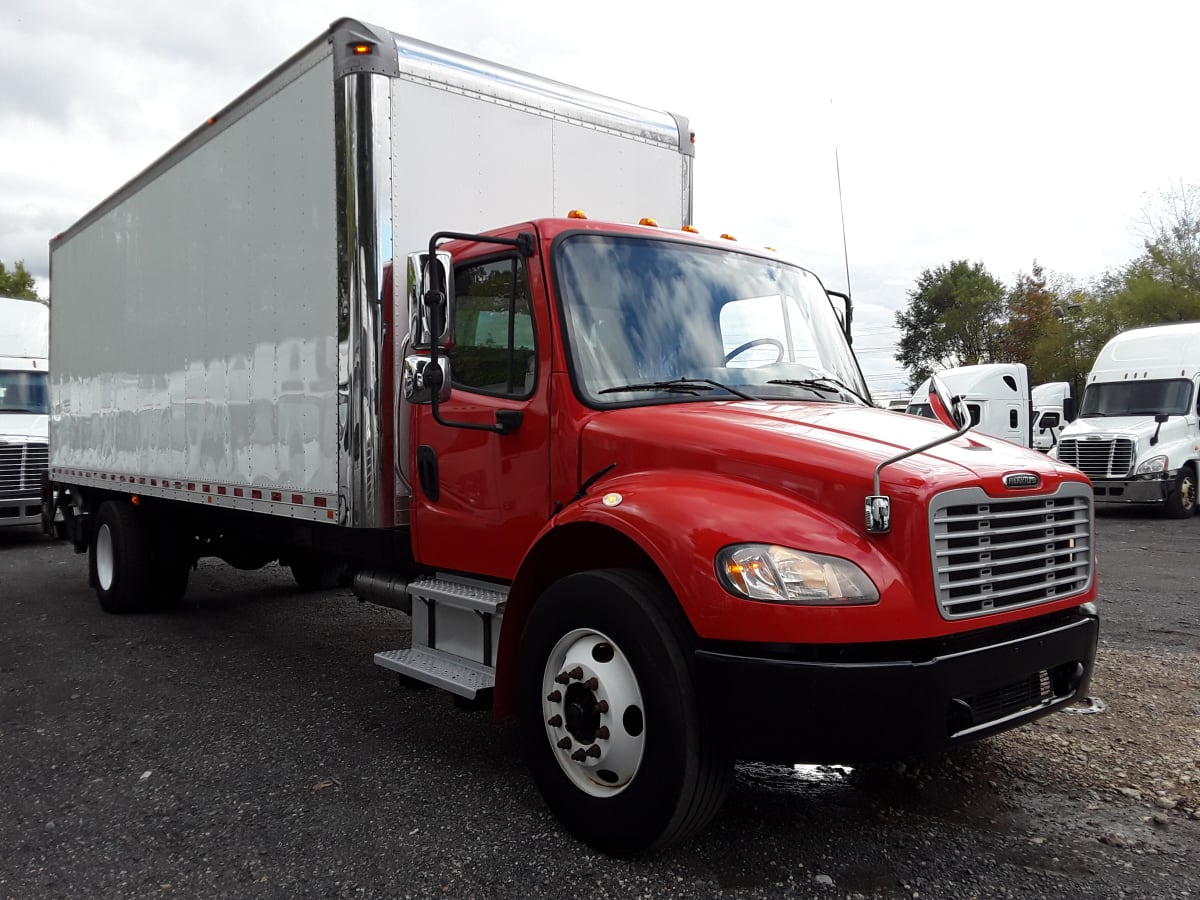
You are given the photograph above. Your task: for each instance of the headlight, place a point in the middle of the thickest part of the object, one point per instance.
(779, 575)
(1155, 465)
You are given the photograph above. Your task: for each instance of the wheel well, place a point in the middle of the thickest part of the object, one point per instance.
(572, 548)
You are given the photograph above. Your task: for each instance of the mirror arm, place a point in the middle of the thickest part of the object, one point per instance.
(849, 312)
(507, 421)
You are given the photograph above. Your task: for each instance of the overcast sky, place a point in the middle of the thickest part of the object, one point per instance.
(997, 132)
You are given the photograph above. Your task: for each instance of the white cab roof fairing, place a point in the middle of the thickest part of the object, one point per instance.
(981, 382)
(24, 330)
(1157, 352)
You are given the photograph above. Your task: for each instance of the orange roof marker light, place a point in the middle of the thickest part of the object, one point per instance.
(728, 237)
(646, 220)
(362, 49)
(577, 214)
(690, 229)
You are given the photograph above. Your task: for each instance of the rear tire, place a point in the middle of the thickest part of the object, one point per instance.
(120, 559)
(1180, 502)
(313, 574)
(613, 729)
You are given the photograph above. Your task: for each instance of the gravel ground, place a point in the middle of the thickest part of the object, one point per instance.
(247, 747)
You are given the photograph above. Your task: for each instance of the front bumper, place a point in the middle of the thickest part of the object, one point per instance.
(876, 702)
(1133, 490)
(20, 511)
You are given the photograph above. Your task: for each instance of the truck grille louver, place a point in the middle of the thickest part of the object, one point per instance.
(994, 554)
(21, 468)
(1108, 458)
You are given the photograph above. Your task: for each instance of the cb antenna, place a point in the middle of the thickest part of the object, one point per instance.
(837, 164)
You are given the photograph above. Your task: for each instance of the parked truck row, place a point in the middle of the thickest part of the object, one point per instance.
(626, 479)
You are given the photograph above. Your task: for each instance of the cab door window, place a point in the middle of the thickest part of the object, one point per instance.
(494, 351)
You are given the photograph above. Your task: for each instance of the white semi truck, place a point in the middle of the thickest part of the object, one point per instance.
(24, 404)
(1053, 408)
(1136, 436)
(997, 397)
(621, 475)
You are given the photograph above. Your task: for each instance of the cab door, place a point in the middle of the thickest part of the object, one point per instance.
(480, 497)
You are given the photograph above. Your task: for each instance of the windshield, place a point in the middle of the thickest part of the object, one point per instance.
(644, 314)
(1137, 398)
(24, 392)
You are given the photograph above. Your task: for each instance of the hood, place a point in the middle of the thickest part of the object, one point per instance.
(1127, 426)
(21, 427)
(814, 449)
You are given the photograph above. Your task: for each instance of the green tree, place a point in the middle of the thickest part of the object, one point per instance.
(1070, 342)
(17, 282)
(1163, 283)
(1030, 309)
(954, 318)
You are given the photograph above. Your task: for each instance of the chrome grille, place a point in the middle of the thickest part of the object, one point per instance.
(991, 554)
(1105, 458)
(21, 468)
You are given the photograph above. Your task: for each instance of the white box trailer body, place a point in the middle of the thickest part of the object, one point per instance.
(1137, 436)
(24, 399)
(997, 396)
(219, 333)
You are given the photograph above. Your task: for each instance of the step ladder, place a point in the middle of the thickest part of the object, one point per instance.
(455, 631)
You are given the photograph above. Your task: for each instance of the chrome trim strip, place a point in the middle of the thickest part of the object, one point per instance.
(362, 105)
(473, 77)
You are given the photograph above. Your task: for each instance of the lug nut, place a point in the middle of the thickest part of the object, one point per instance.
(592, 683)
(564, 744)
(579, 755)
(576, 672)
(593, 751)
(554, 721)
(602, 706)
(602, 732)
(561, 678)
(554, 696)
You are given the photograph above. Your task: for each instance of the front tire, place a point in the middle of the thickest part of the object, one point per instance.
(611, 723)
(1181, 499)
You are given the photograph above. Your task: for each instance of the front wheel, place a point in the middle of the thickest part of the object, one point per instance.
(612, 726)
(1181, 499)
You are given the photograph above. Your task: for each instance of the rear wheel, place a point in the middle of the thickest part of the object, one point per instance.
(314, 574)
(1181, 499)
(120, 559)
(612, 726)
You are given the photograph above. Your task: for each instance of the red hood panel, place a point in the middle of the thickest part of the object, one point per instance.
(806, 447)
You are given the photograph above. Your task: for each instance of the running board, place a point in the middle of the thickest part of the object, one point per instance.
(452, 673)
(455, 633)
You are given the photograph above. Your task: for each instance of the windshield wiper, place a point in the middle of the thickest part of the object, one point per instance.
(680, 386)
(824, 383)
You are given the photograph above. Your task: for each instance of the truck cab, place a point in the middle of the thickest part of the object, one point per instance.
(660, 444)
(1137, 436)
(997, 396)
(24, 406)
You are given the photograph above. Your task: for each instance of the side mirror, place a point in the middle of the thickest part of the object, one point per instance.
(1048, 420)
(947, 409)
(422, 381)
(845, 315)
(421, 281)
(1069, 411)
